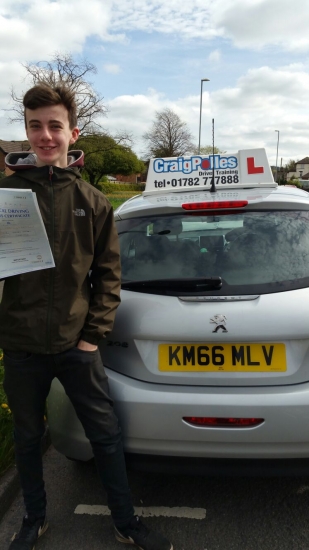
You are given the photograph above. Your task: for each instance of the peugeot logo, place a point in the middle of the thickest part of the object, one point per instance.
(220, 322)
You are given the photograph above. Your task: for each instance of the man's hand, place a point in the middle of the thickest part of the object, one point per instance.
(85, 346)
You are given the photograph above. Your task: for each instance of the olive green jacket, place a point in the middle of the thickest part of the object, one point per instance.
(50, 310)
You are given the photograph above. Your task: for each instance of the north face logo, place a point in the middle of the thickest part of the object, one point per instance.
(79, 212)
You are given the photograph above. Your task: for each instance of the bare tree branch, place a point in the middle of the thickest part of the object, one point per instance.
(169, 136)
(63, 68)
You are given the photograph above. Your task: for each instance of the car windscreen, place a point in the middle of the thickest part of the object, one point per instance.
(232, 253)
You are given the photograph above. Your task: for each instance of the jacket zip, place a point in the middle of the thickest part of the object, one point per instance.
(51, 271)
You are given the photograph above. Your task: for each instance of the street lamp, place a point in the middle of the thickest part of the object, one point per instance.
(277, 155)
(199, 133)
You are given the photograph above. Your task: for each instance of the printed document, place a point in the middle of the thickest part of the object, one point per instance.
(24, 244)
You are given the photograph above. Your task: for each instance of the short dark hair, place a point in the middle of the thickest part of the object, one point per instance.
(44, 95)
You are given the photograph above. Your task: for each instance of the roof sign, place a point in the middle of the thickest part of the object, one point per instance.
(247, 168)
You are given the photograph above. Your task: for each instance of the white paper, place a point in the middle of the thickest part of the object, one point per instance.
(24, 244)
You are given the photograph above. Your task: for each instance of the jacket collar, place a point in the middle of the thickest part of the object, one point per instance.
(27, 161)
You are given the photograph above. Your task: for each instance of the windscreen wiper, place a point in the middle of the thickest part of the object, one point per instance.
(197, 283)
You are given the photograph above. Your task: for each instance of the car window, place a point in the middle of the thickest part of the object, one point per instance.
(252, 252)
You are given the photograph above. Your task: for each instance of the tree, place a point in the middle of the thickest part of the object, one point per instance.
(207, 150)
(103, 155)
(75, 75)
(169, 136)
(290, 166)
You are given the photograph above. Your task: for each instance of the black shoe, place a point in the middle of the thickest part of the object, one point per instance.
(138, 534)
(31, 530)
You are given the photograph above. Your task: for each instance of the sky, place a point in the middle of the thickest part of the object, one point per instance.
(153, 54)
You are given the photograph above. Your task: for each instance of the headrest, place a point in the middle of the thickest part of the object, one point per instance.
(167, 226)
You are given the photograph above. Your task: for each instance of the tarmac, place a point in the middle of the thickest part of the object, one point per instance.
(9, 482)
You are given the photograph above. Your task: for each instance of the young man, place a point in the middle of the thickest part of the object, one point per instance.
(52, 320)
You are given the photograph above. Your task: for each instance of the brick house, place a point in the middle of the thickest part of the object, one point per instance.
(11, 147)
(133, 178)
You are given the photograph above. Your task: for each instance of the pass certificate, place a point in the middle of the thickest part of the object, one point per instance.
(24, 244)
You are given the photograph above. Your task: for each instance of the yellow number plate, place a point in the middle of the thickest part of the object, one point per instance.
(242, 357)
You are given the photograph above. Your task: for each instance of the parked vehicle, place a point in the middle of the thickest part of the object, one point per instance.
(208, 361)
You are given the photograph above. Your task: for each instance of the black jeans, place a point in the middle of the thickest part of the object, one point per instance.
(27, 383)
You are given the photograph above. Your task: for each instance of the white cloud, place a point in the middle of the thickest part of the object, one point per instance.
(258, 23)
(186, 19)
(39, 27)
(214, 56)
(248, 24)
(246, 116)
(247, 110)
(112, 68)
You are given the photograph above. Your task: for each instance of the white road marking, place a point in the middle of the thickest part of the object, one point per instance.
(146, 512)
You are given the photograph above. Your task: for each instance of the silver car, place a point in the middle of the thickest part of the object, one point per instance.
(208, 361)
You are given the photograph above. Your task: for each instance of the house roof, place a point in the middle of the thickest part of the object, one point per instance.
(14, 146)
(303, 161)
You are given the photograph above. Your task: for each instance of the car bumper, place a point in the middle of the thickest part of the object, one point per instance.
(151, 418)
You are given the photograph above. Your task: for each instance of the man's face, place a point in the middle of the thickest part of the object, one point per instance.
(50, 135)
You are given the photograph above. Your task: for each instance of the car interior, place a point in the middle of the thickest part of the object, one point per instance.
(252, 248)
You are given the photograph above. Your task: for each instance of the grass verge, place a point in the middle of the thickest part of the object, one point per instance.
(117, 193)
(6, 427)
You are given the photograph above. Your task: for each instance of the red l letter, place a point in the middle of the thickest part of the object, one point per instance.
(254, 169)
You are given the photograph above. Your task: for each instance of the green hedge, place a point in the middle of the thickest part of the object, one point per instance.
(113, 188)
